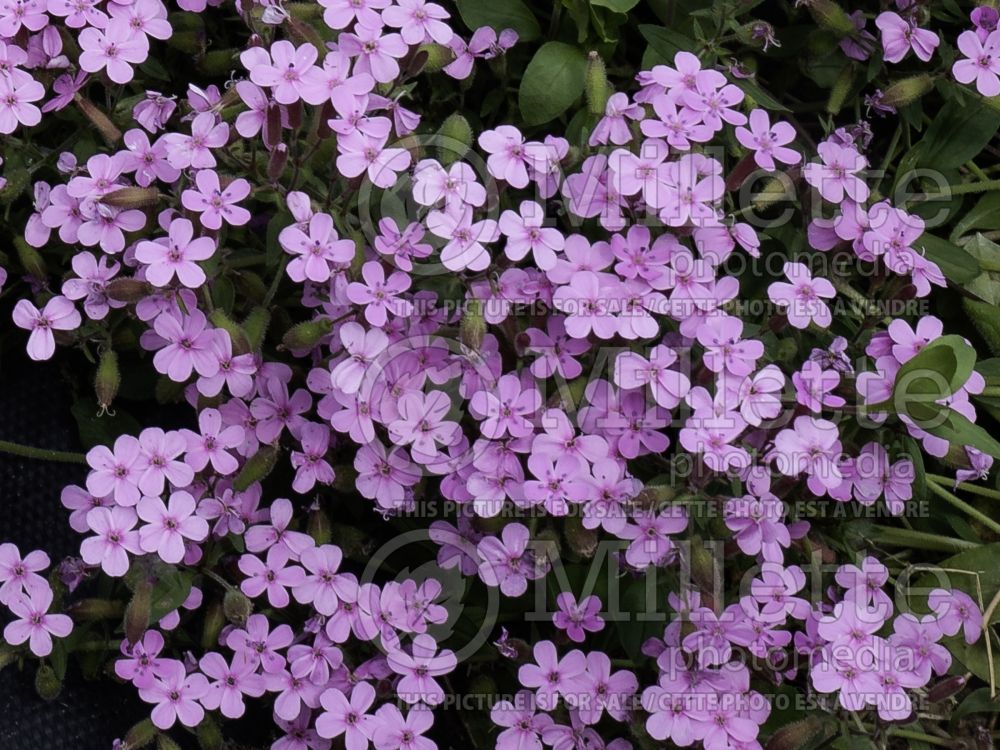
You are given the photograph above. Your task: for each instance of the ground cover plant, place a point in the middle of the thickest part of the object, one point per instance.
(579, 374)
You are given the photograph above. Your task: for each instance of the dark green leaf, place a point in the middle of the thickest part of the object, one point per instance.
(976, 122)
(618, 6)
(956, 264)
(552, 82)
(500, 15)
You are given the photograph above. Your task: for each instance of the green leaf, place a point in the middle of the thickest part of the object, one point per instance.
(618, 6)
(937, 371)
(976, 702)
(553, 80)
(761, 97)
(664, 43)
(949, 425)
(941, 149)
(500, 15)
(170, 590)
(956, 264)
(984, 215)
(97, 428)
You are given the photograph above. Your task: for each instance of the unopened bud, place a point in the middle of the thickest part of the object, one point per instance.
(455, 137)
(304, 32)
(255, 326)
(47, 683)
(907, 90)
(237, 607)
(215, 618)
(165, 742)
(140, 735)
(472, 327)
(31, 260)
(438, 56)
(306, 335)
(92, 610)
(354, 543)
(581, 540)
(8, 655)
(596, 84)
(99, 120)
(139, 611)
(841, 88)
(128, 290)
(217, 62)
(132, 197)
(108, 379)
(946, 688)
(277, 162)
(319, 527)
(272, 125)
(209, 734)
(830, 16)
(804, 733)
(653, 497)
(257, 467)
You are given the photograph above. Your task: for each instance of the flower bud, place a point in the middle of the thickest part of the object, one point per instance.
(353, 542)
(215, 618)
(31, 260)
(217, 62)
(251, 286)
(307, 334)
(237, 336)
(8, 655)
(810, 732)
(303, 32)
(237, 607)
(257, 467)
(319, 526)
(438, 56)
(165, 742)
(255, 327)
(111, 134)
(596, 84)
(907, 90)
(830, 16)
(946, 688)
(841, 88)
(107, 380)
(138, 611)
(277, 162)
(272, 125)
(93, 610)
(140, 735)
(581, 540)
(472, 327)
(132, 197)
(209, 734)
(455, 138)
(128, 290)
(47, 683)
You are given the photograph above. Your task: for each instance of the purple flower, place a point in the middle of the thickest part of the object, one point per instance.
(176, 695)
(19, 576)
(802, 299)
(176, 255)
(955, 611)
(168, 526)
(34, 623)
(114, 48)
(59, 314)
(115, 538)
(506, 562)
(837, 175)
(348, 717)
(523, 724)
(575, 618)
(275, 576)
(419, 668)
(768, 142)
(230, 683)
(214, 204)
(900, 35)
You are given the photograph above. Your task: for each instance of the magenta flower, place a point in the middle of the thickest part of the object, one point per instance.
(523, 724)
(16, 108)
(324, 587)
(768, 142)
(114, 48)
(651, 542)
(261, 537)
(115, 539)
(376, 54)
(315, 250)
(214, 204)
(578, 619)
(507, 562)
(274, 576)
(900, 35)
(210, 444)
(176, 255)
(176, 695)
(195, 150)
(393, 731)
(422, 424)
(230, 683)
(955, 611)
(981, 62)
(260, 644)
(525, 233)
(349, 718)
(34, 624)
(59, 314)
(115, 472)
(379, 295)
(464, 249)
(20, 576)
(419, 668)
(292, 76)
(310, 463)
(551, 676)
(508, 410)
(837, 175)
(189, 343)
(801, 300)
(168, 526)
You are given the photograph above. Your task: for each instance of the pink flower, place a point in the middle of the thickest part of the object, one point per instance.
(508, 563)
(168, 526)
(588, 303)
(59, 314)
(18, 575)
(802, 299)
(260, 538)
(900, 35)
(362, 347)
(464, 250)
(214, 204)
(507, 411)
(575, 618)
(522, 721)
(113, 48)
(376, 54)
(210, 444)
(361, 153)
(419, 21)
(768, 141)
(419, 668)
(91, 286)
(176, 255)
(231, 683)
(509, 157)
(195, 150)
(981, 62)
(16, 97)
(292, 76)
(422, 423)
(188, 346)
(176, 695)
(273, 576)
(393, 731)
(525, 233)
(115, 538)
(310, 463)
(348, 717)
(956, 611)
(115, 473)
(379, 295)
(260, 644)
(837, 175)
(159, 460)
(324, 587)
(315, 250)
(34, 624)
(613, 126)
(339, 14)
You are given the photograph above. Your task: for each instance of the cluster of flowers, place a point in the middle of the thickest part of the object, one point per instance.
(389, 388)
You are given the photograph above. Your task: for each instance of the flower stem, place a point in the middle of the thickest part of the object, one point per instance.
(909, 734)
(974, 489)
(43, 454)
(896, 537)
(963, 506)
